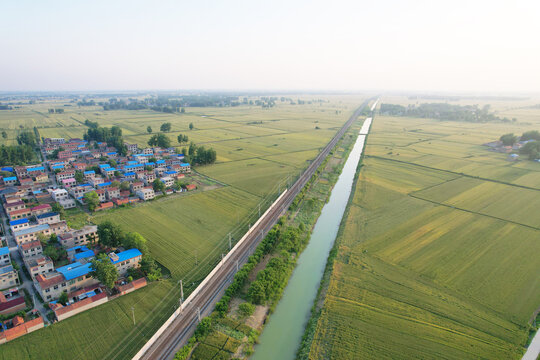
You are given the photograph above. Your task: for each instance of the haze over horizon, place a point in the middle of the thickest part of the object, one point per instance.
(480, 46)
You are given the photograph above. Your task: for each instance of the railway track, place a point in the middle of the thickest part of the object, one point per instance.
(179, 328)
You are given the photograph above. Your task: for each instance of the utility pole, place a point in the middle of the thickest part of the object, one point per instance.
(259, 210)
(230, 246)
(199, 314)
(133, 312)
(236, 265)
(222, 256)
(181, 290)
(262, 234)
(196, 261)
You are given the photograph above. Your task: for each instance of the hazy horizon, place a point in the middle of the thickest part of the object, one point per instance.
(301, 46)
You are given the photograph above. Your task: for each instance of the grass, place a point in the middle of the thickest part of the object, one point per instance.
(432, 261)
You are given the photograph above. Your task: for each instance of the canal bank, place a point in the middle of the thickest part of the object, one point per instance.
(283, 333)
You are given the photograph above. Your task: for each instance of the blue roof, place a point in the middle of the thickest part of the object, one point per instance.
(88, 172)
(104, 166)
(184, 164)
(170, 172)
(109, 169)
(7, 168)
(84, 254)
(76, 151)
(31, 230)
(4, 251)
(111, 153)
(49, 214)
(82, 247)
(10, 178)
(150, 163)
(6, 269)
(127, 167)
(104, 184)
(126, 255)
(18, 222)
(75, 270)
(37, 168)
(130, 173)
(54, 167)
(160, 162)
(80, 146)
(132, 162)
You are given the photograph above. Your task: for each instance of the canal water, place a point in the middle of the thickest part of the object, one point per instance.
(282, 335)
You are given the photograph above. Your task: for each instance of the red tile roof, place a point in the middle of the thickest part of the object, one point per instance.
(30, 245)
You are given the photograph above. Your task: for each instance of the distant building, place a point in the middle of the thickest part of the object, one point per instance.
(146, 194)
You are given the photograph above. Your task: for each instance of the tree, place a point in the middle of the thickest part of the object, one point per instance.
(150, 268)
(134, 240)
(191, 126)
(91, 199)
(110, 234)
(508, 139)
(124, 185)
(158, 185)
(79, 177)
(246, 309)
(203, 328)
(165, 127)
(149, 129)
(104, 270)
(26, 138)
(182, 138)
(257, 292)
(160, 140)
(63, 299)
(4, 134)
(57, 208)
(115, 184)
(530, 135)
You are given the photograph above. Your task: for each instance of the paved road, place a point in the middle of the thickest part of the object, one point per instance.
(533, 351)
(182, 327)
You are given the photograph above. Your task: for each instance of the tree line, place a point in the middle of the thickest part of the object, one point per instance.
(199, 154)
(443, 111)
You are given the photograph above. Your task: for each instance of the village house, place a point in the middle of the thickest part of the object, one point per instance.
(136, 186)
(48, 218)
(67, 278)
(10, 180)
(19, 214)
(168, 181)
(5, 258)
(17, 225)
(15, 205)
(72, 238)
(67, 183)
(89, 174)
(185, 168)
(125, 260)
(80, 301)
(146, 194)
(78, 191)
(20, 328)
(41, 209)
(11, 301)
(38, 264)
(59, 195)
(21, 172)
(102, 195)
(31, 233)
(67, 174)
(31, 248)
(113, 193)
(41, 177)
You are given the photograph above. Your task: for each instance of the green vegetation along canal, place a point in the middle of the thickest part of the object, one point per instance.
(282, 335)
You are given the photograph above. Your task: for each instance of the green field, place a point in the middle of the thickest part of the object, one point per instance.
(258, 149)
(434, 258)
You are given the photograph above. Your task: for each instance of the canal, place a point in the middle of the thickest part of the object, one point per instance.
(282, 335)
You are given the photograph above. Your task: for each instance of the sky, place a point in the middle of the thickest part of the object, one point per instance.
(337, 45)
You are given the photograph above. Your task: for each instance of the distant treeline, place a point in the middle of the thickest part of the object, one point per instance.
(443, 111)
